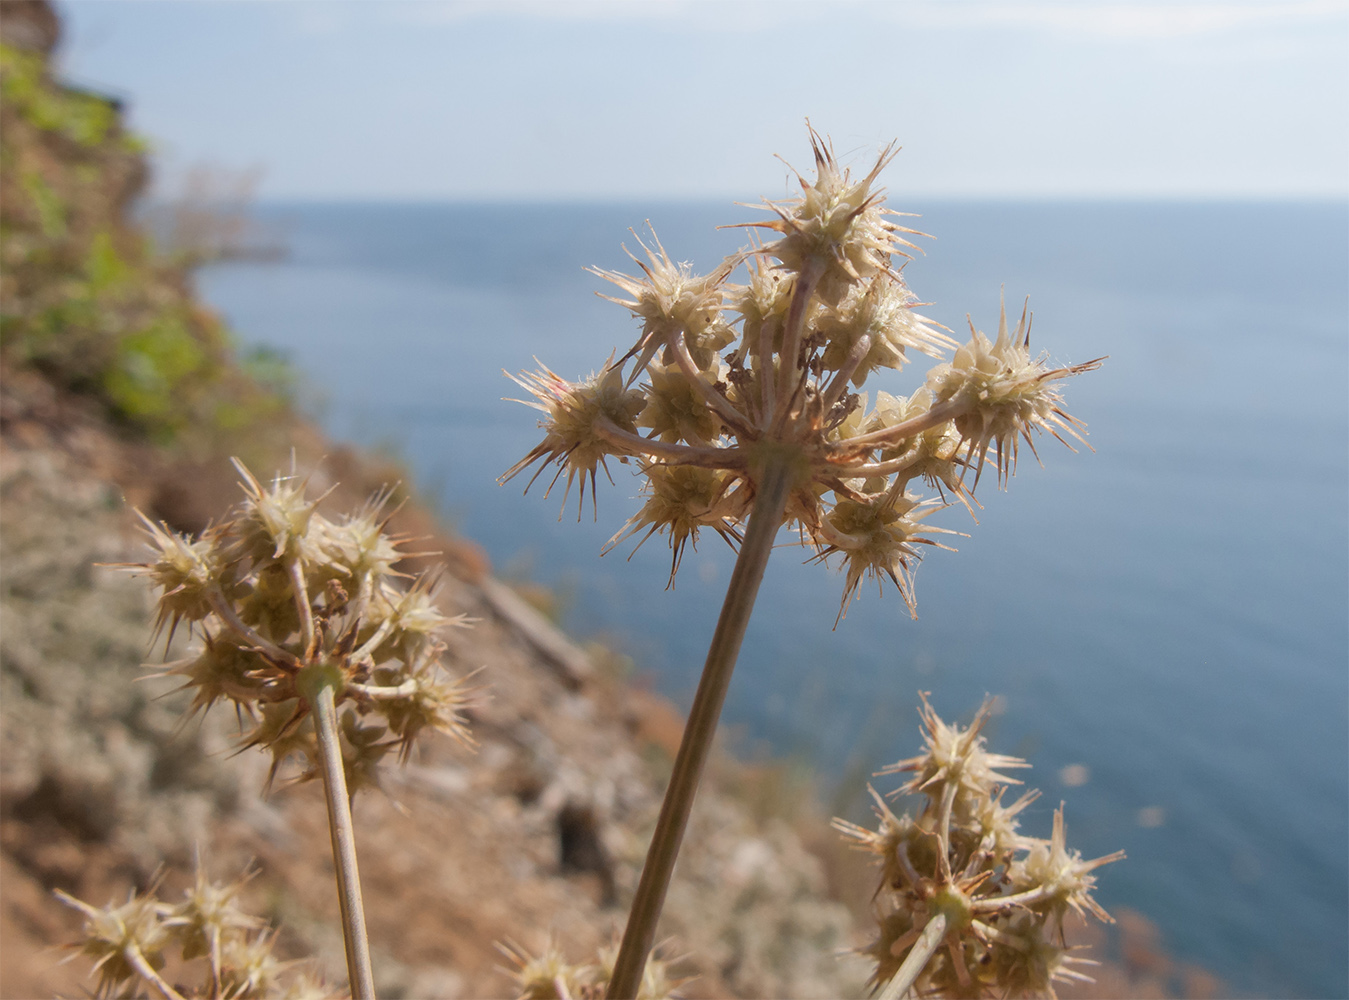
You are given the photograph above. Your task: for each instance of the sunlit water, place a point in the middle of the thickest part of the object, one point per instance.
(1169, 612)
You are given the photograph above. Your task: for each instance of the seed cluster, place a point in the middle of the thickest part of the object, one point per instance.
(549, 976)
(129, 944)
(1003, 895)
(725, 377)
(282, 597)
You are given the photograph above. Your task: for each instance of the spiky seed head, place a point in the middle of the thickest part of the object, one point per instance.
(657, 982)
(682, 499)
(270, 604)
(364, 745)
(837, 225)
(278, 522)
(1061, 874)
(209, 916)
(1037, 961)
(223, 669)
(881, 311)
(433, 702)
(284, 729)
(548, 975)
(1009, 395)
(892, 835)
(674, 411)
(359, 543)
(878, 538)
(248, 966)
(114, 935)
(896, 933)
(574, 412)
(762, 302)
(994, 825)
(414, 619)
(186, 572)
(955, 754)
(308, 984)
(672, 300)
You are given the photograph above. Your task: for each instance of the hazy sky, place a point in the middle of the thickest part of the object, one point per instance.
(471, 100)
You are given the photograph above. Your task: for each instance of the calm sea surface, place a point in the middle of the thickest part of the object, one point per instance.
(1169, 612)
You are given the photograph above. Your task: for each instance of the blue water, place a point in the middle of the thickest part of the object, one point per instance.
(1170, 611)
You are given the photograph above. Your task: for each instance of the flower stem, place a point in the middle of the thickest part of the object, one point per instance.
(319, 692)
(137, 961)
(770, 501)
(916, 959)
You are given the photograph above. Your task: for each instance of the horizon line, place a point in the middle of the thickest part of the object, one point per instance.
(1247, 198)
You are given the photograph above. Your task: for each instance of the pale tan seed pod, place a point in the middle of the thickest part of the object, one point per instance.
(576, 414)
(1009, 395)
(1001, 896)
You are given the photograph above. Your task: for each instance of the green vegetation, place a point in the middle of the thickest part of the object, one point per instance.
(86, 300)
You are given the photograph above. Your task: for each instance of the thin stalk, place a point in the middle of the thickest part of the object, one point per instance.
(707, 458)
(283, 659)
(728, 413)
(938, 414)
(948, 801)
(377, 692)
(306, 613)
(323, 704)
(767, 375)
(769, 504)
(373, 643)
(916, 959)
(906, 867)
(806, 281)
(989, 904)
(839, 385)
(143, 968)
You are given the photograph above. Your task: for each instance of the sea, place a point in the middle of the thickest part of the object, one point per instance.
(1163, 619)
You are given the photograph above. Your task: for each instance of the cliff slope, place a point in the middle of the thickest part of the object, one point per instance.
(118, 389)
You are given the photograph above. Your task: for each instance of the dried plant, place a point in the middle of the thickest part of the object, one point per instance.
(745, 430)
(967, 905)
(304, 628)
(549, 976)
(129, 945)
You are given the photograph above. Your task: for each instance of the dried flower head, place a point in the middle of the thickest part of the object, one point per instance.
(725, 380)
(673, 301)
(277, 588)
(578, 416)
(955, 756)
(126, 943)
(1007, 394)
(837, 228)
(549, 976)
(996, 898)
(229, 951)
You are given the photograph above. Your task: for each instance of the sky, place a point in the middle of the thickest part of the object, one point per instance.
(685, 99)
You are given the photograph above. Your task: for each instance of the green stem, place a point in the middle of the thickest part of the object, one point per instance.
(916, 959)
(318, 690)
(770, 502)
